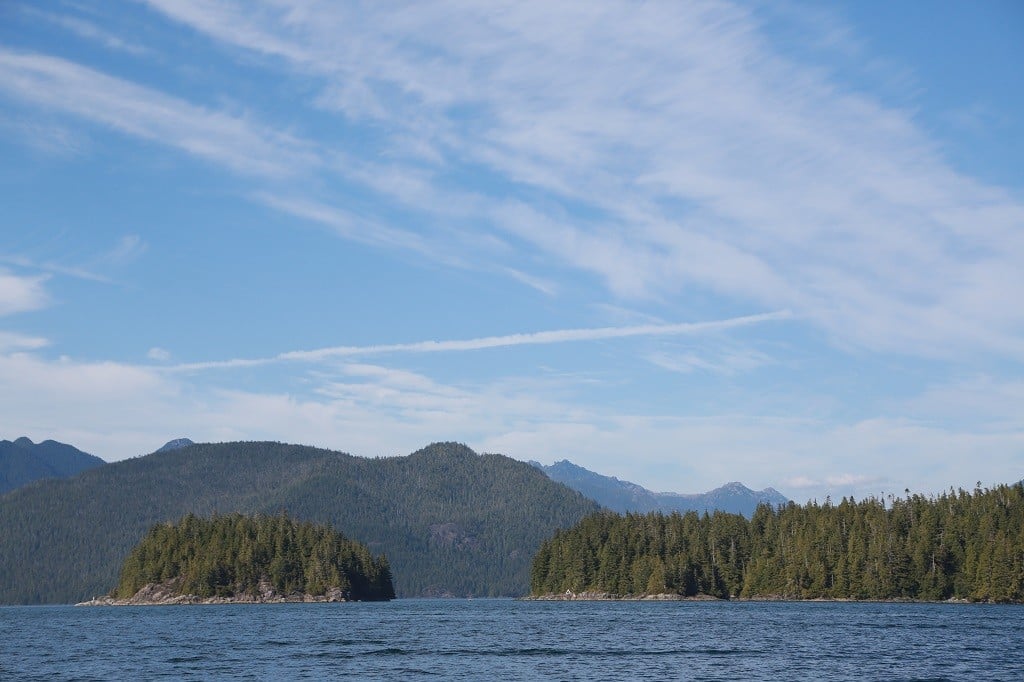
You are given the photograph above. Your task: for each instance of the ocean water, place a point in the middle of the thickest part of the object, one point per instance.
(441, 639)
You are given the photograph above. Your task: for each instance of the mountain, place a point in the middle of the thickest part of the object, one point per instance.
(175, 444)
(734, 497)
(623, 496)
(450, 521)
(608, 491)
(22, 461)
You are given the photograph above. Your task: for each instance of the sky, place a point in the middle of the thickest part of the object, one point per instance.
(680, 243)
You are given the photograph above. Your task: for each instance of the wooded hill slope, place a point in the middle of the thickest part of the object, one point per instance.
(450, 521)
(959, 545)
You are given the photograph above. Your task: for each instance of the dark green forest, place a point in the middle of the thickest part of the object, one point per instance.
(450, 521)
(959, 545)
(234, 555)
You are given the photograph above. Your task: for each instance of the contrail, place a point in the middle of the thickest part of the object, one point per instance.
(532, 338)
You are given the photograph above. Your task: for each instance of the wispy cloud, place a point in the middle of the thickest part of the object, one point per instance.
(75, 271)
(46, 137)
(87, 30)
(539, 283)
(128, 248)
(509, 340)
(248, 148)
(702, 154)
(140, 111)
(350, 225)
(722, 359)
(667, 148)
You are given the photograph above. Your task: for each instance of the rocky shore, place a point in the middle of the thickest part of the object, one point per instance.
(608, 596)
(166, 593)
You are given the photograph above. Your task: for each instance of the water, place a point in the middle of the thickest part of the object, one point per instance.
(511, 640)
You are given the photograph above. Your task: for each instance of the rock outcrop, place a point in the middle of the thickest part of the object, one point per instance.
(167, 593)
(608, 596)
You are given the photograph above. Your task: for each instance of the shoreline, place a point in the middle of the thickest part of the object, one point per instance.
(165, 594)
(196, 600)
(607, 596)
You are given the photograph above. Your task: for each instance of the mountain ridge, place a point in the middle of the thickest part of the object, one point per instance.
(626, 496)
(450, 521)
(23, 462)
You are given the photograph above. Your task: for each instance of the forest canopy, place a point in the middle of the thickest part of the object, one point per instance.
(234, 555)
(959, 545)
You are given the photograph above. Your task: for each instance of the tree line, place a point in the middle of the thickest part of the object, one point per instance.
(958, 545)
(232, 555)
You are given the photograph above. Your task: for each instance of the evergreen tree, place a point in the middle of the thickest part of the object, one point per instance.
(958, 545)
(228, 556)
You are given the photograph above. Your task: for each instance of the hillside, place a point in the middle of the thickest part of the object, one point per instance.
(450, 521)
(22, 461)
(623, 496)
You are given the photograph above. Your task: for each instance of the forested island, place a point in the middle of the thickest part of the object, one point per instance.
(238, 558)
(957, 546)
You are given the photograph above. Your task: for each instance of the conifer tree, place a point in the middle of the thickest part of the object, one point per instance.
(959, 545)
(234, 555)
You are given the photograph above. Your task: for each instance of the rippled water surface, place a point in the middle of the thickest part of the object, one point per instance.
(503, 639)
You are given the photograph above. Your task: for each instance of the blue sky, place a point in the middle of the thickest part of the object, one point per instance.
(678, 243)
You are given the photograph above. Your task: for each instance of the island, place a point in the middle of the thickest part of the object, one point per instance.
(248, 559)
(959, 546)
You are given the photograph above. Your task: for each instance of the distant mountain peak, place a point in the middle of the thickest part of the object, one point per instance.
(623, 496)
(176, 444)
(22, 462)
